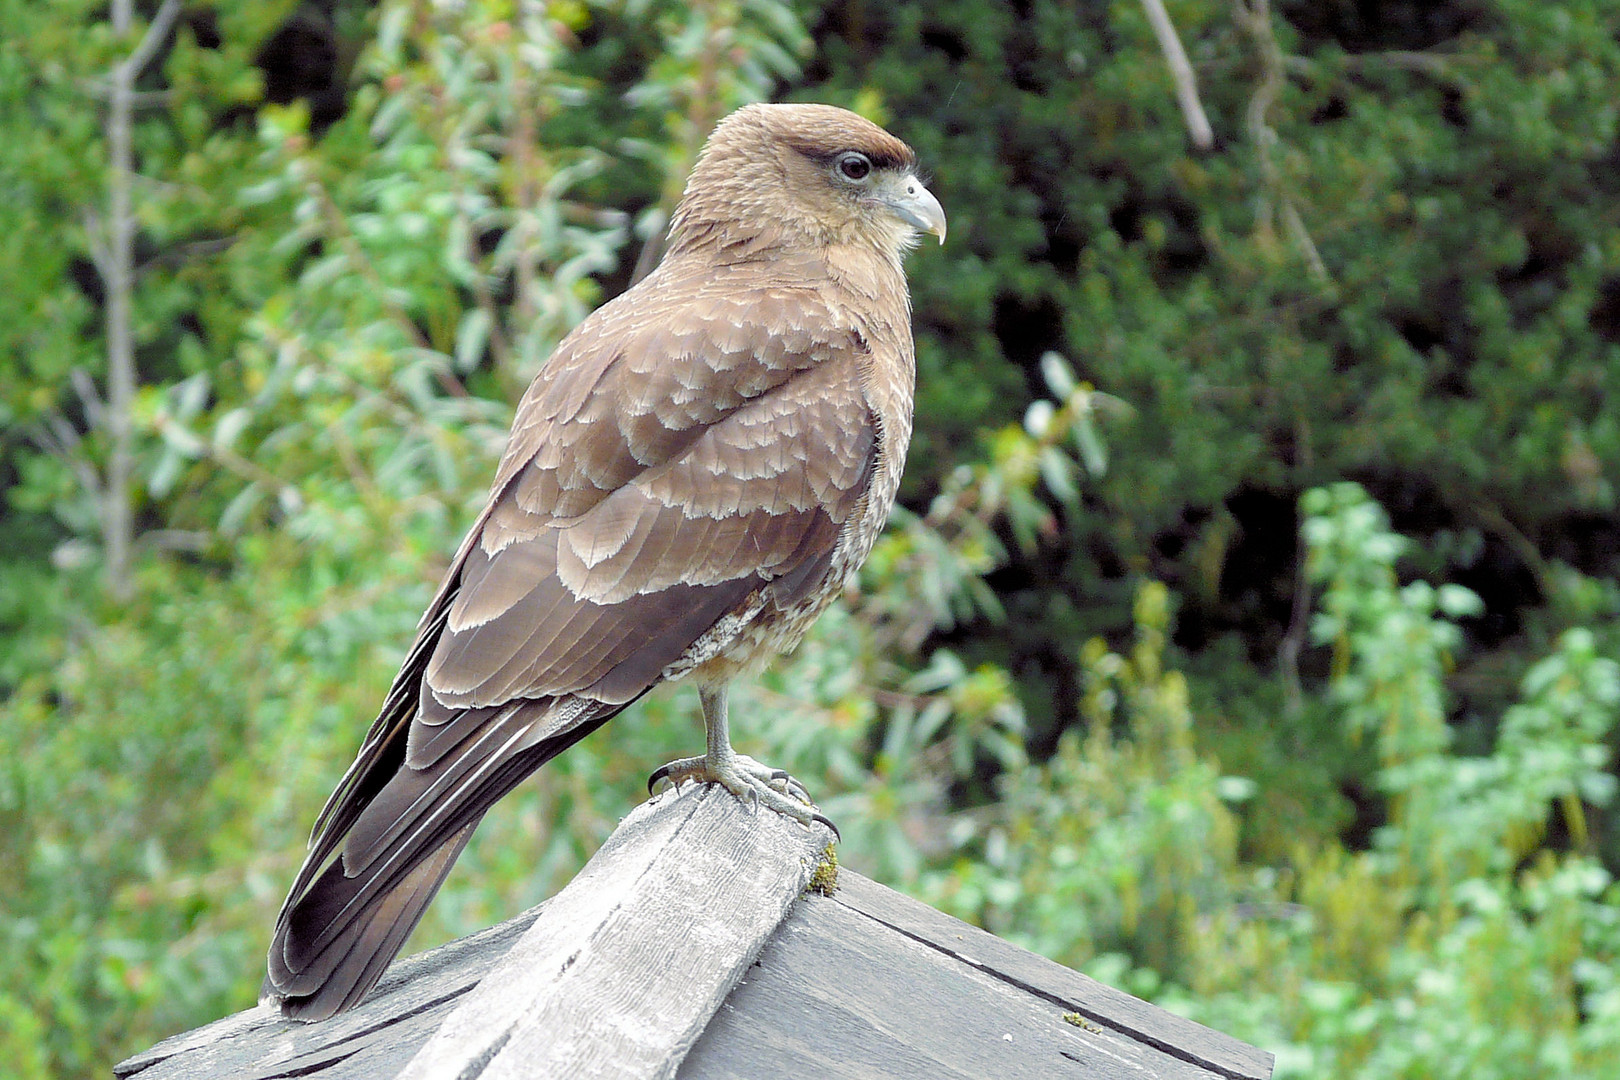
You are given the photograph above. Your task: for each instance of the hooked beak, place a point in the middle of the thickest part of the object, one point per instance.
(917, 206)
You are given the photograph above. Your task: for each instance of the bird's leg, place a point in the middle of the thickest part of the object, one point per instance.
(721, 761)
(739, 774)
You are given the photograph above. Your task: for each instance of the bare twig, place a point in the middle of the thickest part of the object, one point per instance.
(521, 146)
(89, 397)
(239, 465)
(192, 540)
(58, 438)
(100, 88)
(498, 343)
(1181, 73)
(1254, 17)
(1435, 65)
(118, 518)
(1490, 515)
(364, 485)
(151, 41)
(178, 256)
(96, 243)
(652, 249)
(1295, 225)
(447, 138)
(1293, 642)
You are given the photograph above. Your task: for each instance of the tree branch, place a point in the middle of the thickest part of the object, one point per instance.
(57, 438)
(1181, 73)
(151, 41)
(1254, 17)
(89, 397)
(115, 258)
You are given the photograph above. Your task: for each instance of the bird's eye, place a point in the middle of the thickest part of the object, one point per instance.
(854, 167)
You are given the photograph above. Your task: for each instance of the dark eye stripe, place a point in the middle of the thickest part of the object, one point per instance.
(878, 159)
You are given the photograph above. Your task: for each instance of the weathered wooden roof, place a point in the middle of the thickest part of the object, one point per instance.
(681, 950)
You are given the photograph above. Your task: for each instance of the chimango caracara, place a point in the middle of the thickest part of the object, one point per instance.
(696, 472)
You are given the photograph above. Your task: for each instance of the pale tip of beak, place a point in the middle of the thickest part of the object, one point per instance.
(918, 207)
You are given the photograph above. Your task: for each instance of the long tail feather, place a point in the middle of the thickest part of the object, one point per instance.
(343, 972)
(351, 913)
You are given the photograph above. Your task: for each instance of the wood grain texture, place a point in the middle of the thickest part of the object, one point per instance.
(632, 959)
(1219, 1054)
(842, 996)
(374, 1040)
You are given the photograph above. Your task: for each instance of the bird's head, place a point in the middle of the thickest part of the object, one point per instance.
(784, 176)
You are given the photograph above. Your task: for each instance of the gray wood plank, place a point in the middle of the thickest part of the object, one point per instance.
(869, 984)
(1174, 1035)
(841, 996)
(396, 1018)
(632, 958)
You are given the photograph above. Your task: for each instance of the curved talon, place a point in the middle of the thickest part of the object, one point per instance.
(660, 773)
(789, 785)
(825, 820)
(753, 784)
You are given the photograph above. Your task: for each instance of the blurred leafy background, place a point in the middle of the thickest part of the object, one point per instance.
(1246, 636)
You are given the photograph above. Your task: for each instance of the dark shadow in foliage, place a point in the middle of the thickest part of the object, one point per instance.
(1437, 331)
(1183, 250)
(1533, 286)
(1605, 312)
(947, 43)
(1251, 380)
(1028, 327)
(1370, 810)
(1421, 508)
(303, 61)
(1334, 108)
(1256, 597)
(204, 26)
(1253, 594)
(1589, 542)
(1360, 26)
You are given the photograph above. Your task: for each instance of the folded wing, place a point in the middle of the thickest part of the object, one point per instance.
(685, 457)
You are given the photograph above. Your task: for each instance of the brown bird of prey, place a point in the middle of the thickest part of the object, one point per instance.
(693, 476)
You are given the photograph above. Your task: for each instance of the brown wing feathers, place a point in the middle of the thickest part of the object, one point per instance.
(694, 451)
(618, 543)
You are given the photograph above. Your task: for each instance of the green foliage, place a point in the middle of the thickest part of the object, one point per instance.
(1457, 945)
(1497, 955)
(1394, 645)
(54, 73)
(1118, 841)
(1401, 264)
(1081, 696)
